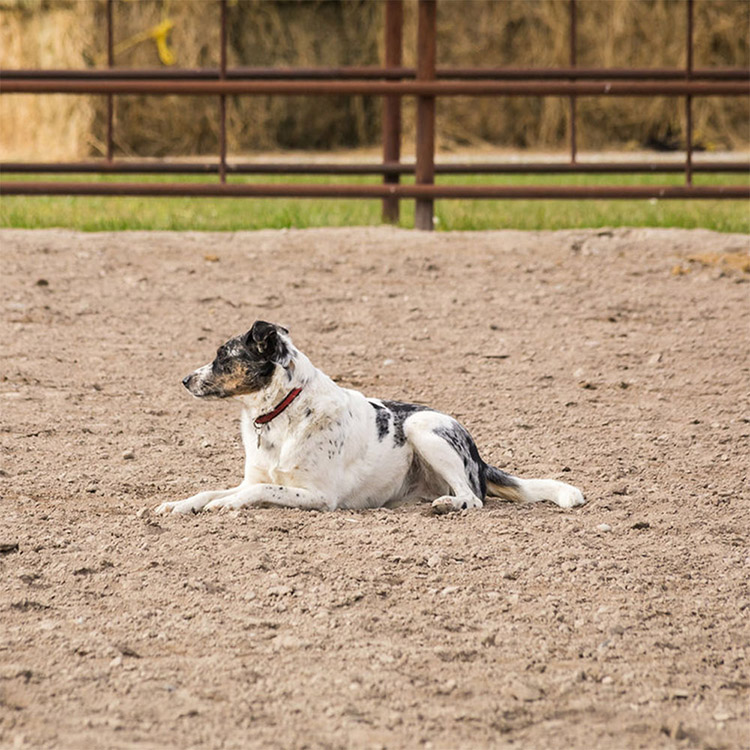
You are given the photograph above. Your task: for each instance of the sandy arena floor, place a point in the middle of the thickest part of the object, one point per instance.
(608, 359)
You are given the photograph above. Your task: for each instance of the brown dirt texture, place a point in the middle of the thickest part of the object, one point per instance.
(616, 360)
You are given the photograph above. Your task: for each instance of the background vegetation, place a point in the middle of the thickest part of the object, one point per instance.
(70, 33)
(231, 214)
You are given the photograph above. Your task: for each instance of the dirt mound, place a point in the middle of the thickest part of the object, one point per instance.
(578, 355)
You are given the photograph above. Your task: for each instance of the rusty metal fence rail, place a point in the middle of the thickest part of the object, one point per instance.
(392, 82)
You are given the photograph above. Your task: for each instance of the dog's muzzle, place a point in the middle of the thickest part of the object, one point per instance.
(195, 384)
(202, 385)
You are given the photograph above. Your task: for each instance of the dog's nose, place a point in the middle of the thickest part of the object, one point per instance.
(186, 380)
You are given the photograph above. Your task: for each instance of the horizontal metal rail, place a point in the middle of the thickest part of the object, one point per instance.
(371, 73)
(379, 88)
(336, 168)
(230, 190)
(425, 82)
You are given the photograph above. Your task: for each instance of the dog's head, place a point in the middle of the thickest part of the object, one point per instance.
(245, 364)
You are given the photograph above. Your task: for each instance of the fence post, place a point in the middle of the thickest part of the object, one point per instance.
(223, 98)
(425, 167)
(394, 23)
(573, 57)
(110, 98)
(688, 98)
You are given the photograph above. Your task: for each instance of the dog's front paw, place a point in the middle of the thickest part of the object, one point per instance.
(569, 496)
(178, 506)
(221, 503)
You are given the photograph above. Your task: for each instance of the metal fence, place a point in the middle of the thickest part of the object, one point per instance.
(392, 82)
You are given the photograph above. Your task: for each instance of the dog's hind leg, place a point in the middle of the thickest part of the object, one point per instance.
(447, 451)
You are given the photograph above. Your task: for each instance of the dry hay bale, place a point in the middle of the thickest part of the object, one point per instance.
(629, 33)
(44, 127)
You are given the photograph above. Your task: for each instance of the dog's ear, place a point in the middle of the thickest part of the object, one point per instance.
(261, 338)
(264, 339)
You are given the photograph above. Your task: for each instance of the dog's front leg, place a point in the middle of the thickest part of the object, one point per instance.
(273, 494)
(196, 502)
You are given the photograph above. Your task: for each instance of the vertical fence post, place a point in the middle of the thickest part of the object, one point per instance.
(222, 97)
(689, 99)
(394, 23)
(573, 45)
(110, 98)
(425, 167)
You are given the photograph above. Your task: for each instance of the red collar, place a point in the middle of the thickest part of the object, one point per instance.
(268, 416)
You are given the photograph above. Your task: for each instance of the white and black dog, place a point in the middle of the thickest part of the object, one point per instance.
(311, 444)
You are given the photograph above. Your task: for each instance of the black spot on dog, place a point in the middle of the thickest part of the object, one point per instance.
(401, 412)
(382, 420)
(460, 440)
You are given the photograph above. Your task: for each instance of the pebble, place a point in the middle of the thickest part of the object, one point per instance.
(489, 640)
(604, 527)
(12, 671)
(721, 715)
(126, 650)
(449, 590)
(288, 641)
(128, 455)
(675, 730)
(433, 561)
(447, 687)
(280, 591)
(525, 692)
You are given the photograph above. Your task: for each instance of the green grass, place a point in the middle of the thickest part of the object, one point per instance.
(230, 214)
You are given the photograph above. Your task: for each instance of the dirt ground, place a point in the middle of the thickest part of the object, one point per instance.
(609, 359)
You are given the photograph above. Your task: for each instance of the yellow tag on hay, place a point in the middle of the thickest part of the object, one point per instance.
(159, 35)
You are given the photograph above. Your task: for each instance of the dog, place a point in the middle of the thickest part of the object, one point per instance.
(312, 444)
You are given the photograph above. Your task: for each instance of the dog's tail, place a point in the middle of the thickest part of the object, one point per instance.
(500, 484)
(508, 487)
